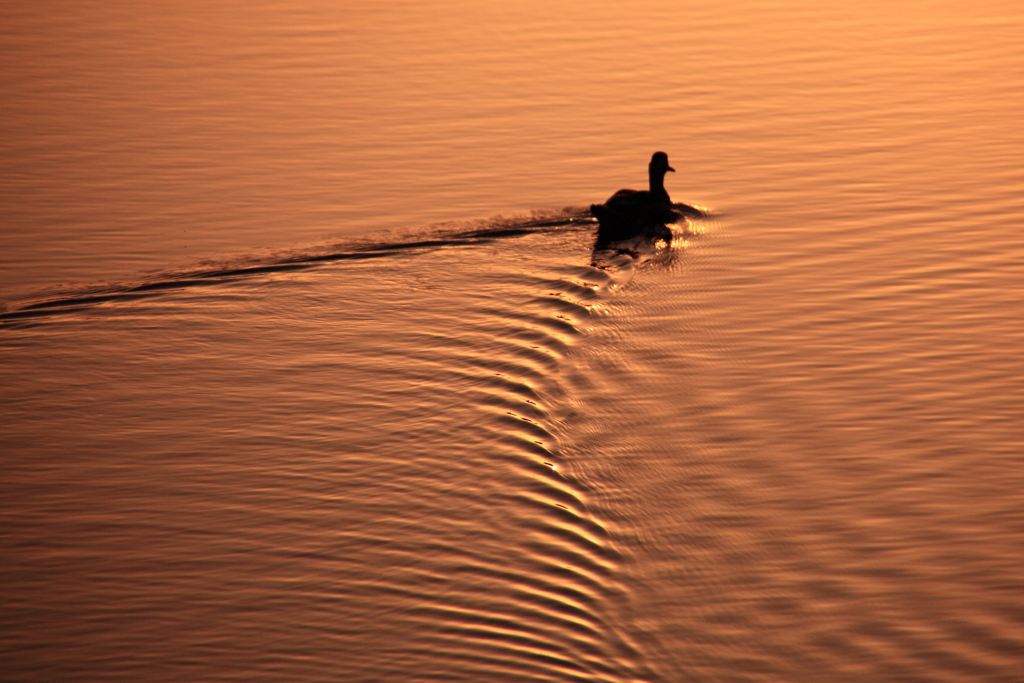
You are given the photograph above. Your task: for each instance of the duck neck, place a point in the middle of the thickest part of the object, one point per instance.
(657, 178)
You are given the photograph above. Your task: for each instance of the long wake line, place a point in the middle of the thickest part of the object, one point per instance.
(70, 303)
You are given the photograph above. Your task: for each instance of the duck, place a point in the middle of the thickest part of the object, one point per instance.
(628, 213)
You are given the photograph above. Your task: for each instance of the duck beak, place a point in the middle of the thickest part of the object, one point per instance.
(669, 168)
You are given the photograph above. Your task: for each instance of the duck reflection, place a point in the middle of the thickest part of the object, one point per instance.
(654, 242)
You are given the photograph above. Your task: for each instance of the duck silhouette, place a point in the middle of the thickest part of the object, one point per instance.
(630, 213)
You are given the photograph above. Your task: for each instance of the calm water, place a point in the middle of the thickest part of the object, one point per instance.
(308, 370)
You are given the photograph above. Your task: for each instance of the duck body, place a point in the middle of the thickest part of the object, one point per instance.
(629, 213)
(634, 207)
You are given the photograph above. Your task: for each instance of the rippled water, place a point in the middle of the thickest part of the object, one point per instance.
(281, 398)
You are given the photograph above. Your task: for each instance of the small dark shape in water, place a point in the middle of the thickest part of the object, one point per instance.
(631, 213)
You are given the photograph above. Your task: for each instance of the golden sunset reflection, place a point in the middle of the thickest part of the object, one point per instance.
(315, 364)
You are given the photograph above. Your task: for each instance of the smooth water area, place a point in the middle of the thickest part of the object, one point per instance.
(308, 370)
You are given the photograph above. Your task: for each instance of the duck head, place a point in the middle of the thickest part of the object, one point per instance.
(656, 174)
(659, 164)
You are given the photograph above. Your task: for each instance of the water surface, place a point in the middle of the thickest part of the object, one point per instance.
(309, 371)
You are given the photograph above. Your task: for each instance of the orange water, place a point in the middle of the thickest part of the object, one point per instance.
(238, 445)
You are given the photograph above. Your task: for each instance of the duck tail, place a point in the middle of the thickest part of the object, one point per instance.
(600, 213)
